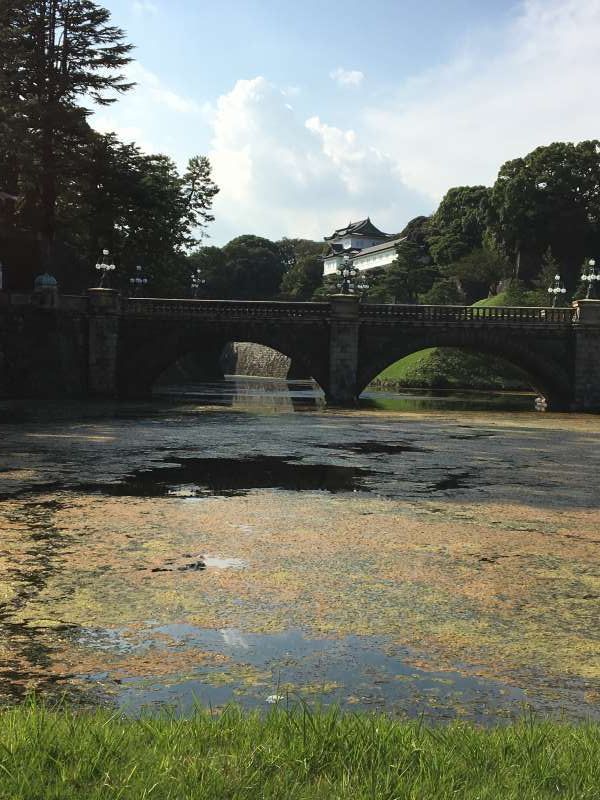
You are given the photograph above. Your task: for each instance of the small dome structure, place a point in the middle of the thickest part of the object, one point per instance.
(45, 281)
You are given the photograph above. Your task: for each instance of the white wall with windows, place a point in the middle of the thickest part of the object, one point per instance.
(363, 261)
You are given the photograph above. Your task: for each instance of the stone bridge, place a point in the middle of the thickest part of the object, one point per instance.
(110, 346)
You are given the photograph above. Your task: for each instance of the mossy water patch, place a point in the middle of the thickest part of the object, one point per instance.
(495, 590)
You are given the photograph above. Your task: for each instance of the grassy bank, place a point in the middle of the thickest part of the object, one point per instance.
(453, 369)
(447, 368)
(60, 755)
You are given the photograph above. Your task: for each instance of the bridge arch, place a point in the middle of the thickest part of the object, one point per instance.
(147, 350)
(540, 359)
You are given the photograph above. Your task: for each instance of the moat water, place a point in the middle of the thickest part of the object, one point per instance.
(239, 542)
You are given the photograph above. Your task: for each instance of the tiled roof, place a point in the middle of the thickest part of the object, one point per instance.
(363, 227)
(391, 244)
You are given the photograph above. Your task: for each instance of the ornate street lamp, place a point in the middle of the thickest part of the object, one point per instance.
(591, 276)
(557, 289)
(104, 266)
(138, 281)
(347, 274)
(197, 281)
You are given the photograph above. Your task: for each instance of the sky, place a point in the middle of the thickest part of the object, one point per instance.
(318, 112)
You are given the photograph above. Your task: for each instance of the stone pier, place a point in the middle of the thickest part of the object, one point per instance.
(103, 342)
(587, 356)
(343, 350)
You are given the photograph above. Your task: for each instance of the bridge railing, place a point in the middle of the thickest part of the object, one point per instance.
(230, 308)
(500, 314)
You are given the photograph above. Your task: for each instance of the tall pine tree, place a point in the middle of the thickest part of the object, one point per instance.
(54, 56)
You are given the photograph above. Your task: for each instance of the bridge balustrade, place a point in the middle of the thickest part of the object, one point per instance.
(227, 308)
(495, 314)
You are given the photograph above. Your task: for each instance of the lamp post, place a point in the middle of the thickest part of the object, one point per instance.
(557, 288)
(138, 281)
(591, 276)
(1, 277)
(347, 273)
(104, 266)
(197, 281)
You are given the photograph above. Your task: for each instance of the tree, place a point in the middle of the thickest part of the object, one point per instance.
(410, 274)
(293, 249)
(214, 269)
(303, 263)
(444, 292)
(199, 190)
(459, 224)
(53, 55)
(140, 208)
(478, 273)
(418, 230)
(549, 198)
(301, 281)
(545, 279)
(256, 267)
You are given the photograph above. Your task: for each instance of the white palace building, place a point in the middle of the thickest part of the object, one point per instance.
(367, 246)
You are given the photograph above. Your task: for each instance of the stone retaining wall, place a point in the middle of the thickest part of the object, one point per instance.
(246, 358)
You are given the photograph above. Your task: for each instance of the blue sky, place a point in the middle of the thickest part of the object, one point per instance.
(317, 112)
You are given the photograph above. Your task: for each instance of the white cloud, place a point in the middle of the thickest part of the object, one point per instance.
(347, 77)
(281, 175)
(534, 84)
(150, 88)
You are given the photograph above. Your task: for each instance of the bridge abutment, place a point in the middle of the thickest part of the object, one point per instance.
(103, 342)
(587, 356)
(343, 350)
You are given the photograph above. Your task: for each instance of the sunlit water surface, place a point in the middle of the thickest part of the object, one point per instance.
(240, 542)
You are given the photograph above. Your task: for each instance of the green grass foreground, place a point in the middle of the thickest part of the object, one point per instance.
(62, 754)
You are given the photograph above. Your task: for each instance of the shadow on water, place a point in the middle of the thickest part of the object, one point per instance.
(372, 448)
(27, 661)
(192, 477)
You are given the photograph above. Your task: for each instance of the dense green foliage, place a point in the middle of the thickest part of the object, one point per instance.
(304, 268)
(549, 198)
(541, 218)
(254, 268)
(296, 755)
(53, 53)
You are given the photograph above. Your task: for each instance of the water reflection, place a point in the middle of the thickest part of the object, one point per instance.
(276, 395)
(452, 401)
(245, 392)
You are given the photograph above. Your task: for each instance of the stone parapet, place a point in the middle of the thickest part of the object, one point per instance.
(587, 312)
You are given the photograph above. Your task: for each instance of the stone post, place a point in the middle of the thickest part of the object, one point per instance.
(587, 356)
(103, 342)
(343, 349)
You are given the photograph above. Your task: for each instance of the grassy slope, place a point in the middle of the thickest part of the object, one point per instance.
(291, 756)
(436, 368)
(491, 302)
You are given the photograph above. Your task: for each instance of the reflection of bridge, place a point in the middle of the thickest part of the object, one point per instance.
(120, 346)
